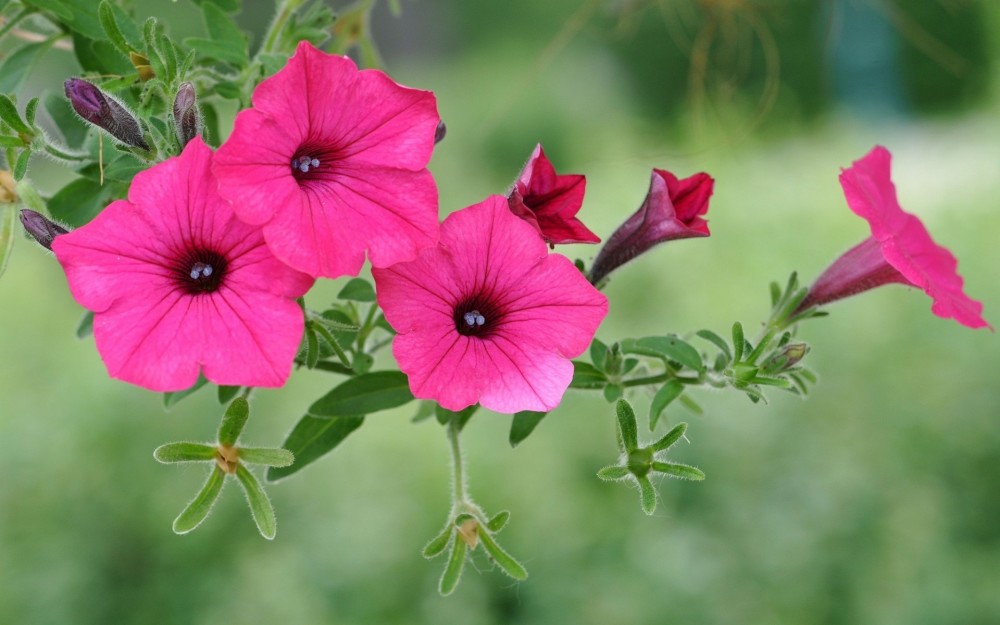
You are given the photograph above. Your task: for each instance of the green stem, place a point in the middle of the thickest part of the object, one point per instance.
(663, 377)
(366, 327)
(64, 155)
(458, 500)
(271, 37)
(319, 327)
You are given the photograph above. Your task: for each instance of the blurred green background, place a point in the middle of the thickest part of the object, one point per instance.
(877, 500)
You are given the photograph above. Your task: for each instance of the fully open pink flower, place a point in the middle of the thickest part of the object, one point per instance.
(673, 209)
(178, 284)
(488, 316)
(550, 202)
(900, 249)
(332, 161)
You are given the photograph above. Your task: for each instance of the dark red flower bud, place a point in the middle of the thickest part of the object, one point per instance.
(187, 122)
(41, 228)
(440, 132)
(103, 111)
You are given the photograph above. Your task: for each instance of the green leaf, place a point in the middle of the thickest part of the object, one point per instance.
(613, 473)
(229, 6)
(8, 217)
(691, 404)
(738, 341)
(499, 521)
(364, 394)
(30, 111)
(312, 348)
(86, 326)
(626, 425)
(504, 560)
(109, 23)
(669, 347)
(100, 57)
(81, 200)
(21, 166)
(15, 66)
(613, 392)
(210, 124)
(445, 416)
(171, 398)
(716, 340)
(598, 353)
(666, 394)
(268, 456)
(197, 511)
(184, 452)
(73, 130)
(523, 425)
(227, 393)
(225, 42)
(438, 543)
(357, 290)
(233, 421)
(669, 438)
(10, 116)
(425, 410)
(682, 471)
(57, 7)
(311, 439)
(647, 495)
(586, 376)
(78, 15)
(453, 571)
(7, 141)
(260, 505)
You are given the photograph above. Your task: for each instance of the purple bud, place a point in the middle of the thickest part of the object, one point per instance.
(186, 121)
(40, 228)
(440, 132)
(103, 111)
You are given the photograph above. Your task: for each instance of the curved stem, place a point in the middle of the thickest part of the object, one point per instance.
(457, 467)
(65, 155)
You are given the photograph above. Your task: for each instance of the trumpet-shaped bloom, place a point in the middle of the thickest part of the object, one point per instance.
(550, 202)
(900, 249)
(332, 161)
(673, 209)
(488, 315)
(177, 284)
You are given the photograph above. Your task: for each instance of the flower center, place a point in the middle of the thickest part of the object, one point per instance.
(304, 164)
(200, 271)
(477, 316)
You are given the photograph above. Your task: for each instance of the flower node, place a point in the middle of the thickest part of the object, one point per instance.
(201, 271)
(477, 316)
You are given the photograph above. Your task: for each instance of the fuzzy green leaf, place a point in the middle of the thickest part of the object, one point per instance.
(227, 393)
(598, 353)
(504, 560)
(197, 511)
(669, 347)
(268, 456)
(647, 495)
(260, 504)
(716, 340)
(357, 290)
(171, 398)
(109, 23)
(682, 471)
(626, 425)
(613, 473)
(499, 521)
(21, 165)
(666, 394)
(184, 452)
(364, 394)
(738, 341)
(233, 421)
(587, 376)
(10, 116)
(523, 424)
(311, 439)
(438, 544)
(453, 571)
(669, 438)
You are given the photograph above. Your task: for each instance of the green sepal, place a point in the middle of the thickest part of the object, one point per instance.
(438, 544)
(233, 421)
(267, 456)
(171, 398)
(21, 165)
(445, 416)
(311, 439)
(184, 452)
(613, 473)
(504, 560)
(587, 376)
(260, 504)
(626, 425)
(670, 438)
(499, 521)
(357, 290)
(227, 393)
(682, 471)
(453, 570)
(738, 341)
(613, 392)
(10, 116)
(364, 394)
(647, 495)
(462, 518)
(666, 394)
(523, 424)
(197, 511)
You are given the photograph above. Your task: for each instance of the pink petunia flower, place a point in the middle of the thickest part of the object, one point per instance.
(549, 202)
(332, 161)
(900, 249)
(672, 209)
(488, 315)
(178, 284)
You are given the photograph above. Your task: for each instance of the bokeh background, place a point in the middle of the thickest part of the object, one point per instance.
(876, 500)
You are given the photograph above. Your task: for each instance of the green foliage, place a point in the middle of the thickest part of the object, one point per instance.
(523, 424)
(312, 438)
(364, 394)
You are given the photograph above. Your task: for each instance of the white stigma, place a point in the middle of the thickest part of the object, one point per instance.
(304, 163)
(474, 318)
(200, 270)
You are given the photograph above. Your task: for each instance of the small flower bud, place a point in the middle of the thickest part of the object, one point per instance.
(788, 357)
(40, 228)
(103, 111)
(186, 120)
(440, 132)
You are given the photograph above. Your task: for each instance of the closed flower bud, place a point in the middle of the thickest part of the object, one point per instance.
(440, 132)
(103, 111)
(41, 228)
(187, 122)
(786, 358)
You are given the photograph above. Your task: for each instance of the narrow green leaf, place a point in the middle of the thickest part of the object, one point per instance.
(8, 217)
(268, 456)
(311, 439)
(775, 294)
(669, 347)
(691, 404)
(260, 505)
(647, 495)
(626, 425)
(312, 348)
(738, 341)
(21, 166)
(598, 353)
(357, 290)
(110, 25)
(11, 142)
(10, 116)
(453, 571)
(171, 398)
(227, 393)
(438, 544)
(523, 424)
(233, 421)
(666, 394)
(197, 511)
(225, 42)
(364, 394)
(613, 473)
(184, 452)
(504, 560)
(682, 471)
(17, 65)
(716, 340)
(669, 438)
(587, 376)
(445, 416)
(499, 521)
(86, 326)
